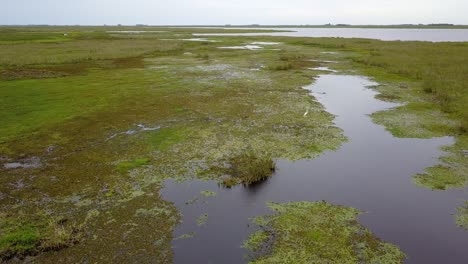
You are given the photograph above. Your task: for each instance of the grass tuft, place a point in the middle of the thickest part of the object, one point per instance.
(248, 168)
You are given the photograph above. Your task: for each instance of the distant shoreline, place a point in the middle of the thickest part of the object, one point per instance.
(342, 26)
(403, 26)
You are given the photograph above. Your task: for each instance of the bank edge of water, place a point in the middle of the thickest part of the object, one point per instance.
(419, 117)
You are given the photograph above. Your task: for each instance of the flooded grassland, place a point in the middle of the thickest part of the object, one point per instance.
(95, 122)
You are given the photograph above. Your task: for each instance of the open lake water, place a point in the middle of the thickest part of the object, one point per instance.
(433, 35)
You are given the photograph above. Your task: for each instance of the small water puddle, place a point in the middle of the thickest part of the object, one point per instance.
(265, 43)
(371, 172)
(322, 69)
(201, 40)
(246, 47)
(27, 163)
(139, 128)
(324, 61)
(135, 31)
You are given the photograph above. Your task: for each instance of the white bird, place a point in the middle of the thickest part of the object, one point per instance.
(307, 112)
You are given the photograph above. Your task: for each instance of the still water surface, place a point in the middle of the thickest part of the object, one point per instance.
(371, 172)
(433, 35)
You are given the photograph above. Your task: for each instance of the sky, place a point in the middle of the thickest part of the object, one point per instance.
(235, 12)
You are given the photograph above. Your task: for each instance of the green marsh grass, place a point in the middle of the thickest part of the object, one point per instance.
(20, 237)
(317, 232)
(249, 168)
(64, 102)
(69, 95)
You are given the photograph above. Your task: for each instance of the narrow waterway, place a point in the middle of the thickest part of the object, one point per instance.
(371, 172)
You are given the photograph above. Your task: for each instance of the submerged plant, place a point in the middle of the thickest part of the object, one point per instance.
(208, 193)
(185, 236)
(201, 220)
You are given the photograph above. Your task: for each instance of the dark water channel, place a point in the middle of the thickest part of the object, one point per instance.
(371, 172)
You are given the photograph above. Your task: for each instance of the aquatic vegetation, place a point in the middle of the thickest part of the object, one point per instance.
(256, 241)
(229, 182)
(63, 101)
(248, 168)
(453, 172)
(208, 193)
(422, 120)
(192, 201)
(440, 178)
(201, 220)
(318, 232)
(462, 216)
(92, 159)
(433, 69)
(185, 236)
(431, 87)
(157, 211)
(416, 120)
(427, 79)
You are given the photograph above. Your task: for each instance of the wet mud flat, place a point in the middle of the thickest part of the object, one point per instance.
(371, 172)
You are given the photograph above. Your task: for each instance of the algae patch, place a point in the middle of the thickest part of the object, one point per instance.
(317, 232)
(208, 193)
(202, 219)
(185, 236)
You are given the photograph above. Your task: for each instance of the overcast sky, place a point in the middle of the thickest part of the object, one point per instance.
(210, 12)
